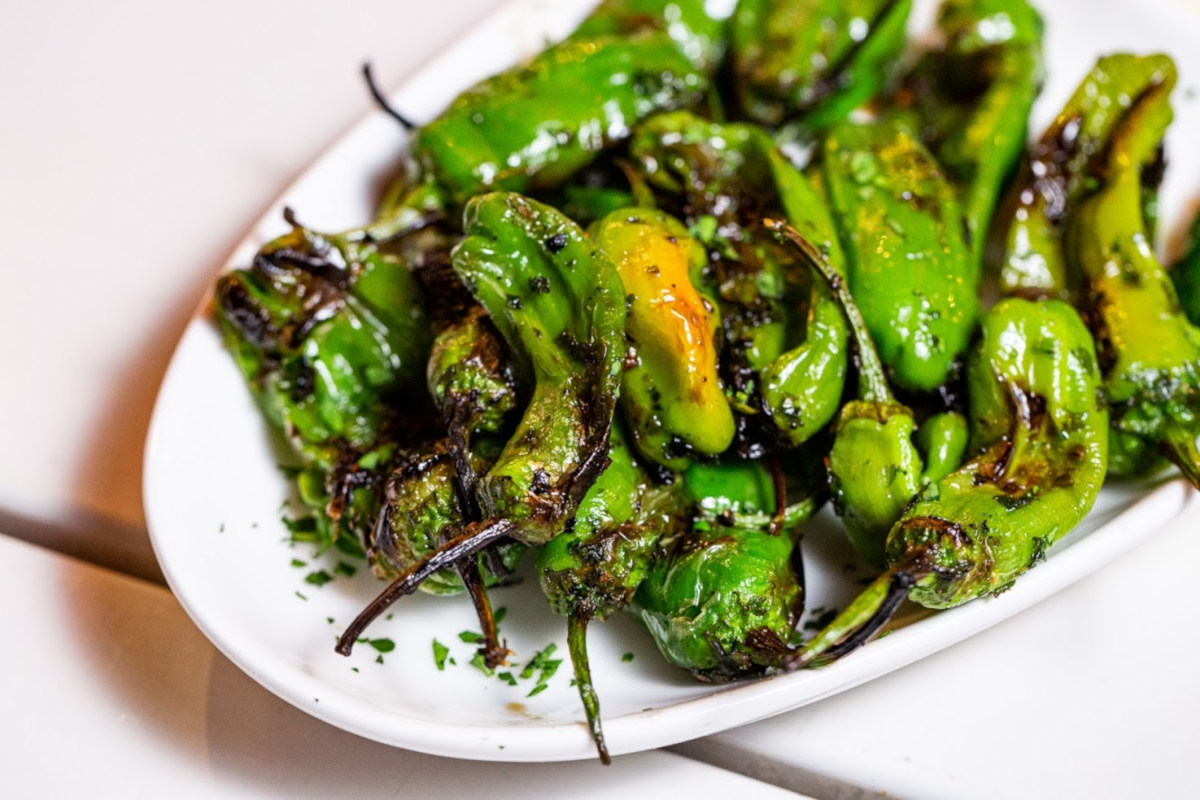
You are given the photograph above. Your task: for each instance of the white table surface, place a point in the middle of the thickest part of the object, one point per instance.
(137, 143)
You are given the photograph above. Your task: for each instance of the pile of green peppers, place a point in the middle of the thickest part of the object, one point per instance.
(610, 311)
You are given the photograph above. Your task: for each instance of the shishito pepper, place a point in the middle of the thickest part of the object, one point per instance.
(875, 467)
(722, 600)
(785, 339)
(592, 570)
(1040, 428)
(696, 26)
(1185, 274)
(1063, 162)
(1149, 352)
(972, 96)
(330, 334)
(558, 303)
(813, 59)
(911, 273)
(670, 390)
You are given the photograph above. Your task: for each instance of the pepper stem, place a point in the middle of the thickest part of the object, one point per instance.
(447, 554)
(860, 620)
(577, 646)
(872, 378)
(1180, 447)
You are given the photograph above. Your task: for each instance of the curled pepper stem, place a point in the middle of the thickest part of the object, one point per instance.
(447, 554)
(1180, 446)
(862, 619)
(872, 379)
(377, 95)
(577, 625)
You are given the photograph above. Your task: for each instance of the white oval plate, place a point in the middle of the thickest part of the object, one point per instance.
(214, 494)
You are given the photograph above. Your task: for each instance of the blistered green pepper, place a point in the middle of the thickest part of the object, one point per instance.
(910, 271)
(558, 303)
(1060, 166)
(973, 95)
(330, 334)
(670, 390)
(1040, 426)
(785, 355)
(723, 599)
(942, 440)
(696, 26)
(813, 59)
(1149, 351)
(592, 570)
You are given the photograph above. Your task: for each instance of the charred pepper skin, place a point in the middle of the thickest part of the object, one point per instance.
(329, 332)
(973, 95)
(1040, 428)
(910, 270)
(1149, 351)
(788, 367)
(1059, 167)
(723, 599)
(816, 60)
(592, 570)
(670, 390)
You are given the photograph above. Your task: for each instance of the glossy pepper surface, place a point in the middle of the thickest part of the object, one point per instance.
(1040, 431)
(1061, 164)
(1149, 351)
(815, 60)
(910, 271)
(670, 389)
(973, 95)
(785, 339)
(698, 27)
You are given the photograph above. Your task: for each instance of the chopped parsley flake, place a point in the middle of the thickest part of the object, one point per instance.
(318, 578)
(440, 651)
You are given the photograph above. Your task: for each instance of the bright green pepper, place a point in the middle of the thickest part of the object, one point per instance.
(1040, 426)
(330, 333)
(1149, 351)
(559, 305)
(813, 59)
(723, 599)
(787, 366)
(696, 26)
(942, 440)
(592, 570)
(671, 392)
(1060, 166)
(973, 95)
(910, 271)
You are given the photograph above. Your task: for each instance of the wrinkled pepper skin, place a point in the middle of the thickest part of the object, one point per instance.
(329, 333)
(559, 305)
(817, 60)
(1149, 351)
(1185, 274)
(698, 27)
(537, 124)
(671, 393)
(874, 466)
(722, 600)
(1040, 428)
(1059, 167)
(910, 271)
(788, 366)
(973, 96)
(469, 375)
(592, 570)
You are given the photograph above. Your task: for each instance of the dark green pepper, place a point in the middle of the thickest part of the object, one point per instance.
(1150, 353)
(783, 364)
(910, 271)
(330, 334)
(973, 95)
(813, 59)
(592, 570)
(1040, 428)
(1185, 274)
(723, 599)
(558, 303)
(1060, 166)
(670, 390)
